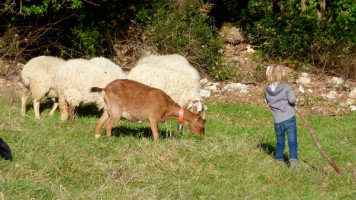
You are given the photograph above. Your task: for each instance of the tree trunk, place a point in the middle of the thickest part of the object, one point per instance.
(302, 3)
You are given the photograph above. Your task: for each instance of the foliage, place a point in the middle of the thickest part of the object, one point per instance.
(79, 28)
(284, 30)
(184, 30)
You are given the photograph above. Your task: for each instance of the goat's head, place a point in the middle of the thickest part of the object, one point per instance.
(197, 126)
(197, 107)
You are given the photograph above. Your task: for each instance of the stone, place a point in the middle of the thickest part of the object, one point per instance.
(337, 81)
(244, 91)
(303, 80)
(304, 74)
(204, 93)
(250, 49)
(211, 87)
(353, 108)
(328, 96)
(352, 94)
(310, 90)
(342, 105)
(301, 89)
(204, 81)
(239, 86)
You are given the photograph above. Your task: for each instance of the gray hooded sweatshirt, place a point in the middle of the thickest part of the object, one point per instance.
(281, 101)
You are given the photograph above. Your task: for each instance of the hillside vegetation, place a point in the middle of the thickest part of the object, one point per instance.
(313, 32)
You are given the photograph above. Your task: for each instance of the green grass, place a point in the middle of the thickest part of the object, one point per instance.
(62, 160)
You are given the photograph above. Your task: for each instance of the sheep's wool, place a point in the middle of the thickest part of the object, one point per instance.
(76, 77)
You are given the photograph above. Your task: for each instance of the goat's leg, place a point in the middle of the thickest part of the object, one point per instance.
(154, 128)
(36, 106)
(55, 106)
(110, 124)
(24, 99)
(101, 123)
(63, 108)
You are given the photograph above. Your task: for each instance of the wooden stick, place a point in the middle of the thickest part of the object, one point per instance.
(317, 143)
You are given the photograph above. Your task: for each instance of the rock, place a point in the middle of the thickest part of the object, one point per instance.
(349, 102)
(337, 81)
(352, 94)
(310, 90)
(211, 87)
(204, 93)
(301, 89)
(353, 108)
(329, 96)
(250, 49)
(244, 91)
(204, 81)
(342, 105)
(237, 86)
(238, 60)
(304, 74)
(232, 34)
(303, 80)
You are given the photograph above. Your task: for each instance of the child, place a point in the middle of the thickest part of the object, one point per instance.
(281, 99)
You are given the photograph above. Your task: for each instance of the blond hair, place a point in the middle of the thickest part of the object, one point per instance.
(277, 74)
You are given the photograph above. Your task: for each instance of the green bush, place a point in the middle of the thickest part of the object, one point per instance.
(284, 31)
(171, 28)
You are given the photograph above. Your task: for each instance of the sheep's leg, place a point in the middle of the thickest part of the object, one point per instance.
(154, 128)
(63, 108)
(101, 123)
(36, 106)
(24, 99)
(55, 106)
(71, 112)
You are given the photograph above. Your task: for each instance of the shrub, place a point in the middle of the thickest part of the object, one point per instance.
(284, 30)
(171, 28)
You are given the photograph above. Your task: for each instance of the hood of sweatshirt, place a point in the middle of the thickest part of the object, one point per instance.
(279, 89)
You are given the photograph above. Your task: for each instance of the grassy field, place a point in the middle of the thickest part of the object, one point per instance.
(62, 160)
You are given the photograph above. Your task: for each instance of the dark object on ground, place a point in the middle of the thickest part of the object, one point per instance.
(5, 151)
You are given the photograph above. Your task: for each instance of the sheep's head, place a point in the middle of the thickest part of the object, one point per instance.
(197, 107)
(197, 126)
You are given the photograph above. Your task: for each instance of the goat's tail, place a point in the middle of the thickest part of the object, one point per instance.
(96, 89)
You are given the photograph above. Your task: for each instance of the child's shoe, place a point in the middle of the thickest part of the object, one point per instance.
(293, 164)
(278, 161)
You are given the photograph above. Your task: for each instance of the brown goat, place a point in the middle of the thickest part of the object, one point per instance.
(136, 101)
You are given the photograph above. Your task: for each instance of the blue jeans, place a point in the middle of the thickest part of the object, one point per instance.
(289, 126)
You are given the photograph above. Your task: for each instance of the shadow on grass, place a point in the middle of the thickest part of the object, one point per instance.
(142, 132)
(47, 104)
(82, 111)
(88, 111)
(271, 150)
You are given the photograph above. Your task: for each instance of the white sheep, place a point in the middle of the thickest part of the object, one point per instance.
(38, 79)
(77, 76)
(174, 75)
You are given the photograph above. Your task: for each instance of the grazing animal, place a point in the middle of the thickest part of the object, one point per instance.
(175, 76)
(75, 78)
(5, 151)
(38, 78)
(136, 101)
